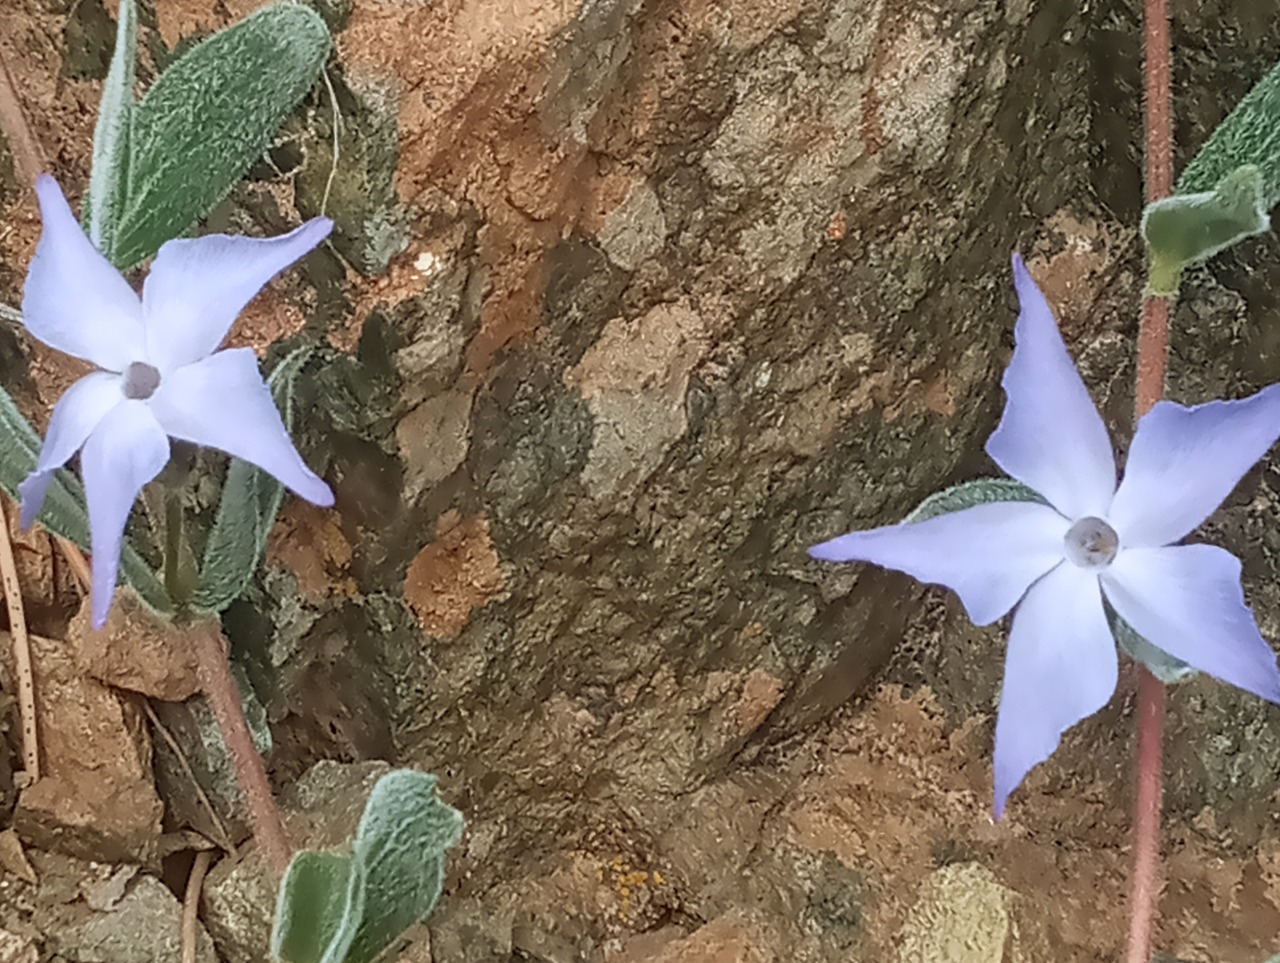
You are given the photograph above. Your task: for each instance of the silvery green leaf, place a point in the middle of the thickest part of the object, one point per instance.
(400, 846)
(250, 501)
(980, 491)
(64, 506)
(208, 117)
(1249, 135)
(1189, 228)
(109, 172)
(1162, 665)
(318, 908)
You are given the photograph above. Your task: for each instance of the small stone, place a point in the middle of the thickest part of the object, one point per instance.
(13, 859)
(434, 439)
(726, 939)
(17, 949)
(634, 230)
(961, 916)
(463, 930)
(135, 650)
(95, 797)
(103, 894)
(144, 926)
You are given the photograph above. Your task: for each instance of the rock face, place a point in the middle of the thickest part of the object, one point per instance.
(659, 293)
(95, 798)
(135, 651)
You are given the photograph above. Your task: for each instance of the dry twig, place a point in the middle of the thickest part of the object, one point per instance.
(28, 159)
(75, 558)
(191, 904)
(21, 652)
(224, 837)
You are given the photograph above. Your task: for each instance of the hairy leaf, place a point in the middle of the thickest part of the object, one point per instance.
(1163, 666)
(980, 491)
(1249, 135)
(318, 908)
(208, 117)
(109, 172)
(1189, 228)
(400, 845)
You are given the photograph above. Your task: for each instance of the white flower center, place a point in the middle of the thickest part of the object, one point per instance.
(140, 381)
(1091, 543)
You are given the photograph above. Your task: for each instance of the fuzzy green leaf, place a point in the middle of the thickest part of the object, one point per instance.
(109, 172)
(64, 506)
(318, 908)
(250, 501)
(1163, 666)
(400, 845)
(980, 491)
(1249, 135)
(208, 117)
(1189, 228)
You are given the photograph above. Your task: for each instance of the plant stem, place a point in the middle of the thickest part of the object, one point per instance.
(1146, 817)
(1153, 343)
(224, 699)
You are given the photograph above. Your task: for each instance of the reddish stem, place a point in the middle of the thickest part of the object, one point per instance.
(1153, 341)
(224, 699)
(1146, 812)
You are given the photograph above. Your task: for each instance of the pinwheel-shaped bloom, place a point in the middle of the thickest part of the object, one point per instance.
(160, 374)
(1093, 541)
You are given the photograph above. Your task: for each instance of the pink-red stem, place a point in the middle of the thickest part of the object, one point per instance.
(1153, 342)
(220, 690)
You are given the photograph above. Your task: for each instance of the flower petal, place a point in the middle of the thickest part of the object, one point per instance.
(1051, 436)
(75, 415)
(1060, 668)
(988, 554)
(74, 300)
(222, 402)
(1187, 600)
(125, 451)
(1185, 461)
(197, 287)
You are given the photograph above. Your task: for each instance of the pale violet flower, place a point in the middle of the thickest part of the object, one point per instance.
(160, 374)
(1056, 563)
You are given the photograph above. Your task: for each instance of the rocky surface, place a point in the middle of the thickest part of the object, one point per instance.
(632, 300)
(96, 796)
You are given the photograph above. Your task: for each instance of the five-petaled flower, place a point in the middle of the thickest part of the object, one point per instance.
(1058, 562)
(160, 374)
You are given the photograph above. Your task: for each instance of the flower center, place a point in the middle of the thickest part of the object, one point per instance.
(140, 381)
(1091, 543)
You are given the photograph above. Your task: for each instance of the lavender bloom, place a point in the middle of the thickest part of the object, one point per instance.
(1057, 562)
(161, 375)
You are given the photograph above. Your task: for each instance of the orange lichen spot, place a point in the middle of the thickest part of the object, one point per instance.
(308, 542)
(837, 227)
(761, 693)
(453, 576)
(938, 396)
(630, 886)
